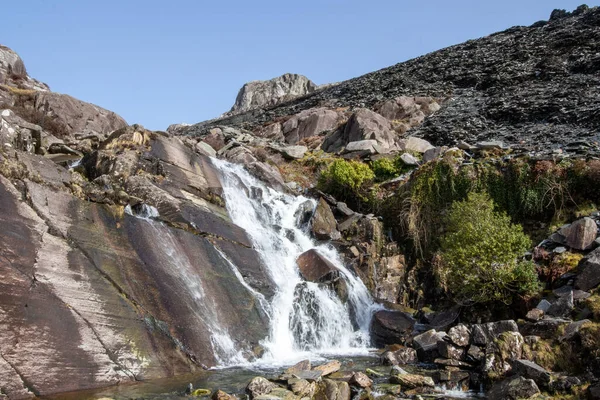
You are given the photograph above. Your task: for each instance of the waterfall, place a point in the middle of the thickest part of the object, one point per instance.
(307, 319)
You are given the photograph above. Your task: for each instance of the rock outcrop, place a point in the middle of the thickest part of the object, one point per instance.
(258, 94)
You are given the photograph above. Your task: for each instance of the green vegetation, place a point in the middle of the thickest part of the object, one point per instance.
(346, 179)
(479, 254)
(384, 169)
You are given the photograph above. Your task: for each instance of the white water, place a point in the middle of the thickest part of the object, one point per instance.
(307, 319)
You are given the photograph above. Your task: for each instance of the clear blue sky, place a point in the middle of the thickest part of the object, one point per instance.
(163, 62)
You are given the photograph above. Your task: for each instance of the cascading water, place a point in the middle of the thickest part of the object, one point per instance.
(307, 318)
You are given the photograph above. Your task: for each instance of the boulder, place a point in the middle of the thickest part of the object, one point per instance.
(316, 268)
(534, 314)
(293, 152)
(531, 370)
(460, 335)
(308, 123)
(259, 386)
(390, 327)
(302, 387)
(580, 234)
(258, 94)
(412, 381)
(409, 159)
(589, 271)
(206, 149)
(329, 368)
(562, 306)
(426, 344)
(268, 174)
(361, 380)
(475, 353)
(501, 352)
(324, 225)
(221, 395)
(517, 388)
(482, 334)
(417, 145)
(448, 350)
(303, 365)
(215, 139)
(303, 213)
(332, 390)
(366, 146)
(399, 356)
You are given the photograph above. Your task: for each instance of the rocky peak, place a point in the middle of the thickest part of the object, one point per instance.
(258, 94)
(11, 63)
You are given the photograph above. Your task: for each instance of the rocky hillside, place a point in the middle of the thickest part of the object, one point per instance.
(531, 86)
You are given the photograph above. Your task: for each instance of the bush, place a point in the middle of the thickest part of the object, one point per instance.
(480, 254)
(384, 169)
(346, 179)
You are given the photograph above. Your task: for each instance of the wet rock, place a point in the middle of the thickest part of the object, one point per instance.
(221, 395)
(259, 386)
(412, 381)
(531, 370)
(589, 271)
(361, 380)
(562, 307)
(329, 368)
(517, 388)
(309, 123)
(580, 234)
(268, 174)
(460, 335)
(302, 387)
(399, 356)
(316, 268)
(333, 390)
(324, 225)
(303, 365)
(391, 327)
(482, 334)
(304, 213)
(448, 350)
(501, 352)
(311, 376)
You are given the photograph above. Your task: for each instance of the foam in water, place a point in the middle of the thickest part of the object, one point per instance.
(307, 319)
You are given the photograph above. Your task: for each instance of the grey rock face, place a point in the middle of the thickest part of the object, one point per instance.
(580, 234)
(485, 333)
(258, 94)
(589, 275)
(309, 123)
(531, 370)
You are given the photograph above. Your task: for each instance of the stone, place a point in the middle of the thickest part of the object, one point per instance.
(329, 368)
(294, 152)
(303, 365)
(391, 327)
(535, 314)
(409, 159)
(259, 386)
(412, 381)
(490, 145)
(568, 290)
(460, 335)
(482, 334)
(433, 154)
(333, 390)
(517, 388)
(475, 353)
(257, 94)
(543, 305)
(316, 268)
(531, 370)
(268, 174)
(580, 234)
(400, 356)
(589, 271)
(301, 387)
(594, 391)
(572, 329)
(206, 149)
(221, 395)
(310, 376)
(367, 146)
(343, 209)
(361, 380)
(501, 352)
(546, 328)
(448, 350)
(303, 213)
(309, 123)
(417, 145)
(447, 362)
(426, 344)
(562, 306)
(324, 225)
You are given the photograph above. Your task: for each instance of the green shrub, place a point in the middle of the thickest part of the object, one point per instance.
(346, 179)
(384, 169)
(480, 254)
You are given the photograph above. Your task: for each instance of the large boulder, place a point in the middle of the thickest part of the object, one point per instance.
(580, 234)
(399, 355)
(426, 344)
(329, 389)
(259, 386)
(257, 94)
(316, 268)
(531, 370)
(309, 123)
(482, 334)
(501, 353)
(391, 327)
(589, 271)
(517, 388)
(323, 222)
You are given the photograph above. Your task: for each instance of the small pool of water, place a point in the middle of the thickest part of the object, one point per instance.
(234, 380)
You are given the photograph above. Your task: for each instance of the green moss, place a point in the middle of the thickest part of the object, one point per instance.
(384, 169)
(593, 303)
(346, 180)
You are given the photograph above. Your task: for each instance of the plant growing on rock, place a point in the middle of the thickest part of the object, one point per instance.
(480, 254)
(384, 169)
(346, 179)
